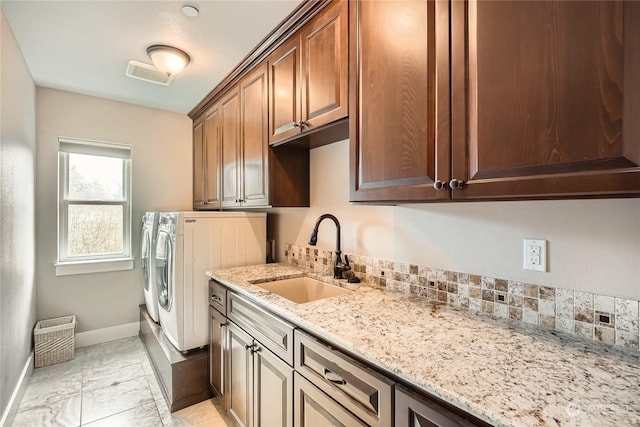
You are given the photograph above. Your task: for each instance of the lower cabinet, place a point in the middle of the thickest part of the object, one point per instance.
(415, 410)
(260, 384)
(313, 408)
(217, 351)
(271, 374)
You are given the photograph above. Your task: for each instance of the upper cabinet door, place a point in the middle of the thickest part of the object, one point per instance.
(198, 164)
(255, 141)
(545, 98)
(212, 157)
(325, 67)
(230, 126)
(284, 90)
(399, 100)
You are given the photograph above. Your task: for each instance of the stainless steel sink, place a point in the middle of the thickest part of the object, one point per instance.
(303, 289)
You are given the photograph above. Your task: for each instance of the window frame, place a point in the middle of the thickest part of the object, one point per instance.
(67, 264)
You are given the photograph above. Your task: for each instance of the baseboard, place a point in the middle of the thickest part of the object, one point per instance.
(16, 397)
(98, 336)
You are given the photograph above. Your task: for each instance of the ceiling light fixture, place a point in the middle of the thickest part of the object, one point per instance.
(190, 11)
(168, 59)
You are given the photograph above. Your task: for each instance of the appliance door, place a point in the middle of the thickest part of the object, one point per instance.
(145, 248)
(164, 270)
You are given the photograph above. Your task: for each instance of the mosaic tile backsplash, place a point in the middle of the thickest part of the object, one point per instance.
(598, 317)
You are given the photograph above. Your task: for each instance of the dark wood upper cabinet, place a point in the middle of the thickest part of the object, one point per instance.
(545, 99)
(255, 142)
(230, 143)
(284, 91)
(206, 160)
(308, 83)
(399, 100)
(542, 101)
(325, 70)
(198, 163)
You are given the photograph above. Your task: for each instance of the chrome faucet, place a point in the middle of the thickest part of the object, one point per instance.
(339, 267)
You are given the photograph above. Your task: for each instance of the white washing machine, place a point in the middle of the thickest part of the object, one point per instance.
(147, 256)
(189, 244)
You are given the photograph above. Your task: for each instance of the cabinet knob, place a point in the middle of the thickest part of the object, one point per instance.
(456, 184)
(296, 124)
(439, 185)
(302, 123)
(222, 325)
(249, 346)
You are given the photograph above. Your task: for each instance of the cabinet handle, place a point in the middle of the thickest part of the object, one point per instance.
(456, 184)
(333, 377)
(439, 185)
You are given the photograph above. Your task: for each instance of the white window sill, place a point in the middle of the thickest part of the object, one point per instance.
(86, 267)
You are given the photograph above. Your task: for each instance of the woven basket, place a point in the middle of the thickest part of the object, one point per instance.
(54, 340)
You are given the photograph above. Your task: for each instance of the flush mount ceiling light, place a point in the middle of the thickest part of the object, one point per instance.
(168, 59)
(190, 11)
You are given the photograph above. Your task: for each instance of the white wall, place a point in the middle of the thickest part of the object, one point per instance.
(17, 226)
(162, 176)
(594, 245)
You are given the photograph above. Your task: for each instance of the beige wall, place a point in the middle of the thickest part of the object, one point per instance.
(17, 226)
(594, 245)
(162, 171)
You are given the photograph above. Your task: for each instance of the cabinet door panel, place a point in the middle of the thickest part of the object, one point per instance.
(539, 100)
(198, 165)
(273, 390)
(255, 143)
(325, 67)
(284, 90)
(399, 110)
(313, 408)
(240, 369)
(230, 123)
(217, 347)
(212, 158)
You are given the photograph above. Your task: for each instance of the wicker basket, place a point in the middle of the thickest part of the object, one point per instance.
(54, 340)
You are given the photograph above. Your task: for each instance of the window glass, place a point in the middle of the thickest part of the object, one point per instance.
(95, 230)
(95, 177)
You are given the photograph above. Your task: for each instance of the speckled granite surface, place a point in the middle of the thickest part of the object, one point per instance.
(503, 372)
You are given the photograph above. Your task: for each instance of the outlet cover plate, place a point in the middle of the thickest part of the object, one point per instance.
(535, 255)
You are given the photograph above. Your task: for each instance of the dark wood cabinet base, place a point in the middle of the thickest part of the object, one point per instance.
(183, 378)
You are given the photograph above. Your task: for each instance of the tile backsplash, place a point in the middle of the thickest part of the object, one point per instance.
(598, 317)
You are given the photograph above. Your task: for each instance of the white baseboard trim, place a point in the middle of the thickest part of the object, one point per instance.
(98, 336)
(16, 397)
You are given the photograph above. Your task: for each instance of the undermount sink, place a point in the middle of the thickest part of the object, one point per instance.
(303, 289)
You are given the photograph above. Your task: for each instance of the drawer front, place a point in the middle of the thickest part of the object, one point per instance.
(363, 391)
(217, 296)
(272, 332)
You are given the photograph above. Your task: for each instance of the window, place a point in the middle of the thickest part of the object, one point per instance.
(94, 207)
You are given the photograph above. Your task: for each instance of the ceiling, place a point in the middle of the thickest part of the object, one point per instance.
(84, 46)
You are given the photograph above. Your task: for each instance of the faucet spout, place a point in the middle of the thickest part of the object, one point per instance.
(339, 267)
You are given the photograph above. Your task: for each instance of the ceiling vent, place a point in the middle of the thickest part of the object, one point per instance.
(147, 72)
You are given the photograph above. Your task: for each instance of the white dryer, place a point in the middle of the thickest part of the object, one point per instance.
(189, 244)
(147, 257)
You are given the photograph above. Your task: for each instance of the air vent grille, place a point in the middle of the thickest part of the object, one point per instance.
(147, 72)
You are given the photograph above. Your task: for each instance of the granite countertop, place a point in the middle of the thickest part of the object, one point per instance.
(503, 372)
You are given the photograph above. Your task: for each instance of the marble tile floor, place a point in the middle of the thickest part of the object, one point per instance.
(106, 385)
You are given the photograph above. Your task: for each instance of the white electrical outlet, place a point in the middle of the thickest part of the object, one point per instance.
(535, 255)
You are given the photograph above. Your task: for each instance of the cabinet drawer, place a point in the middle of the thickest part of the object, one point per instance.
(363, 391)
(269, 330)
(217, 297)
